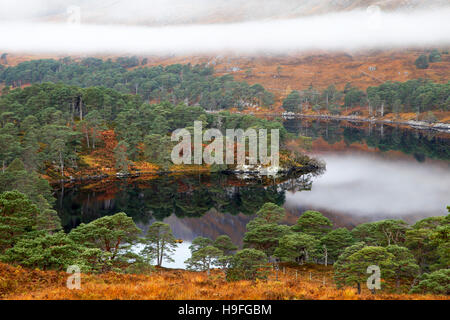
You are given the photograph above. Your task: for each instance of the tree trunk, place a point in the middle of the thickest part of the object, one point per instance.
(81, 109)
(358, 286)
(158, 255)
(87, 138)
(161, 255)
(61, 161)
(326, 255)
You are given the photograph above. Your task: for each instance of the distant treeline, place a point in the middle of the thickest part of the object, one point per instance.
(417, 95)
(192, 85)
(196, 85)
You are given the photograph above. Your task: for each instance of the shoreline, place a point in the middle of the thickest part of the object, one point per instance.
(252, 174)
(437, 126)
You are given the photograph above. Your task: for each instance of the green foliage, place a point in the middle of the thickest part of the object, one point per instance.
(428, 241)
(297, 247)
(159, 242)
(248, 264)
(390, 231)
(17, 218)
(429, 223)
(424, 249)
(35, 188)
(313, 223)
(264, 236)
(414, 95)
(228, 248)
(48, 220)
(176, 83)
(54, 135)
(422, 62)
(271, 213)
(225, 244)
(120, 154)
(203, 255)
(440, 239)
(365, 232)
(292, 103)
(354, 97)
(48, 251)
(434, 56)
(95, 260)
(157, 150)
(404, 264)
(69, 124)
(351, 268)
(381, 233)
(112, 234)
(336, 241)
(437, 282)
(341, 265)
(10, 148)
(200, 243)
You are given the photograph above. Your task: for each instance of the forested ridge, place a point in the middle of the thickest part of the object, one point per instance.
(74, 120)
(198, 85)
(192, 85)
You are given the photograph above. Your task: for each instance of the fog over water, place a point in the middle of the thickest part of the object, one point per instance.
(371, 186)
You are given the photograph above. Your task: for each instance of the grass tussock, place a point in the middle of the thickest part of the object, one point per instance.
(19, 283)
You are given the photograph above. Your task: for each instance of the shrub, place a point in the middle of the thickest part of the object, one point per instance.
(422, 62)
(248, 264)
(437, 282)
(435, 56)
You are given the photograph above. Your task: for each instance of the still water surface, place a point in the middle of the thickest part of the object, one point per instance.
(372, 172)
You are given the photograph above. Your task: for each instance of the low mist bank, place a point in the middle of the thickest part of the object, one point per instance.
(338, 31)
(368, 185)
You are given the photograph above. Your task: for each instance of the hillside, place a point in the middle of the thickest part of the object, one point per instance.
(320, 69)
(299, 71)
(281, 74)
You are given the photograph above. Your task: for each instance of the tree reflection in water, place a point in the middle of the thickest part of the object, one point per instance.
(149, 198)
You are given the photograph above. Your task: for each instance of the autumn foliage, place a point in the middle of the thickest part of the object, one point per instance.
(165, 284)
